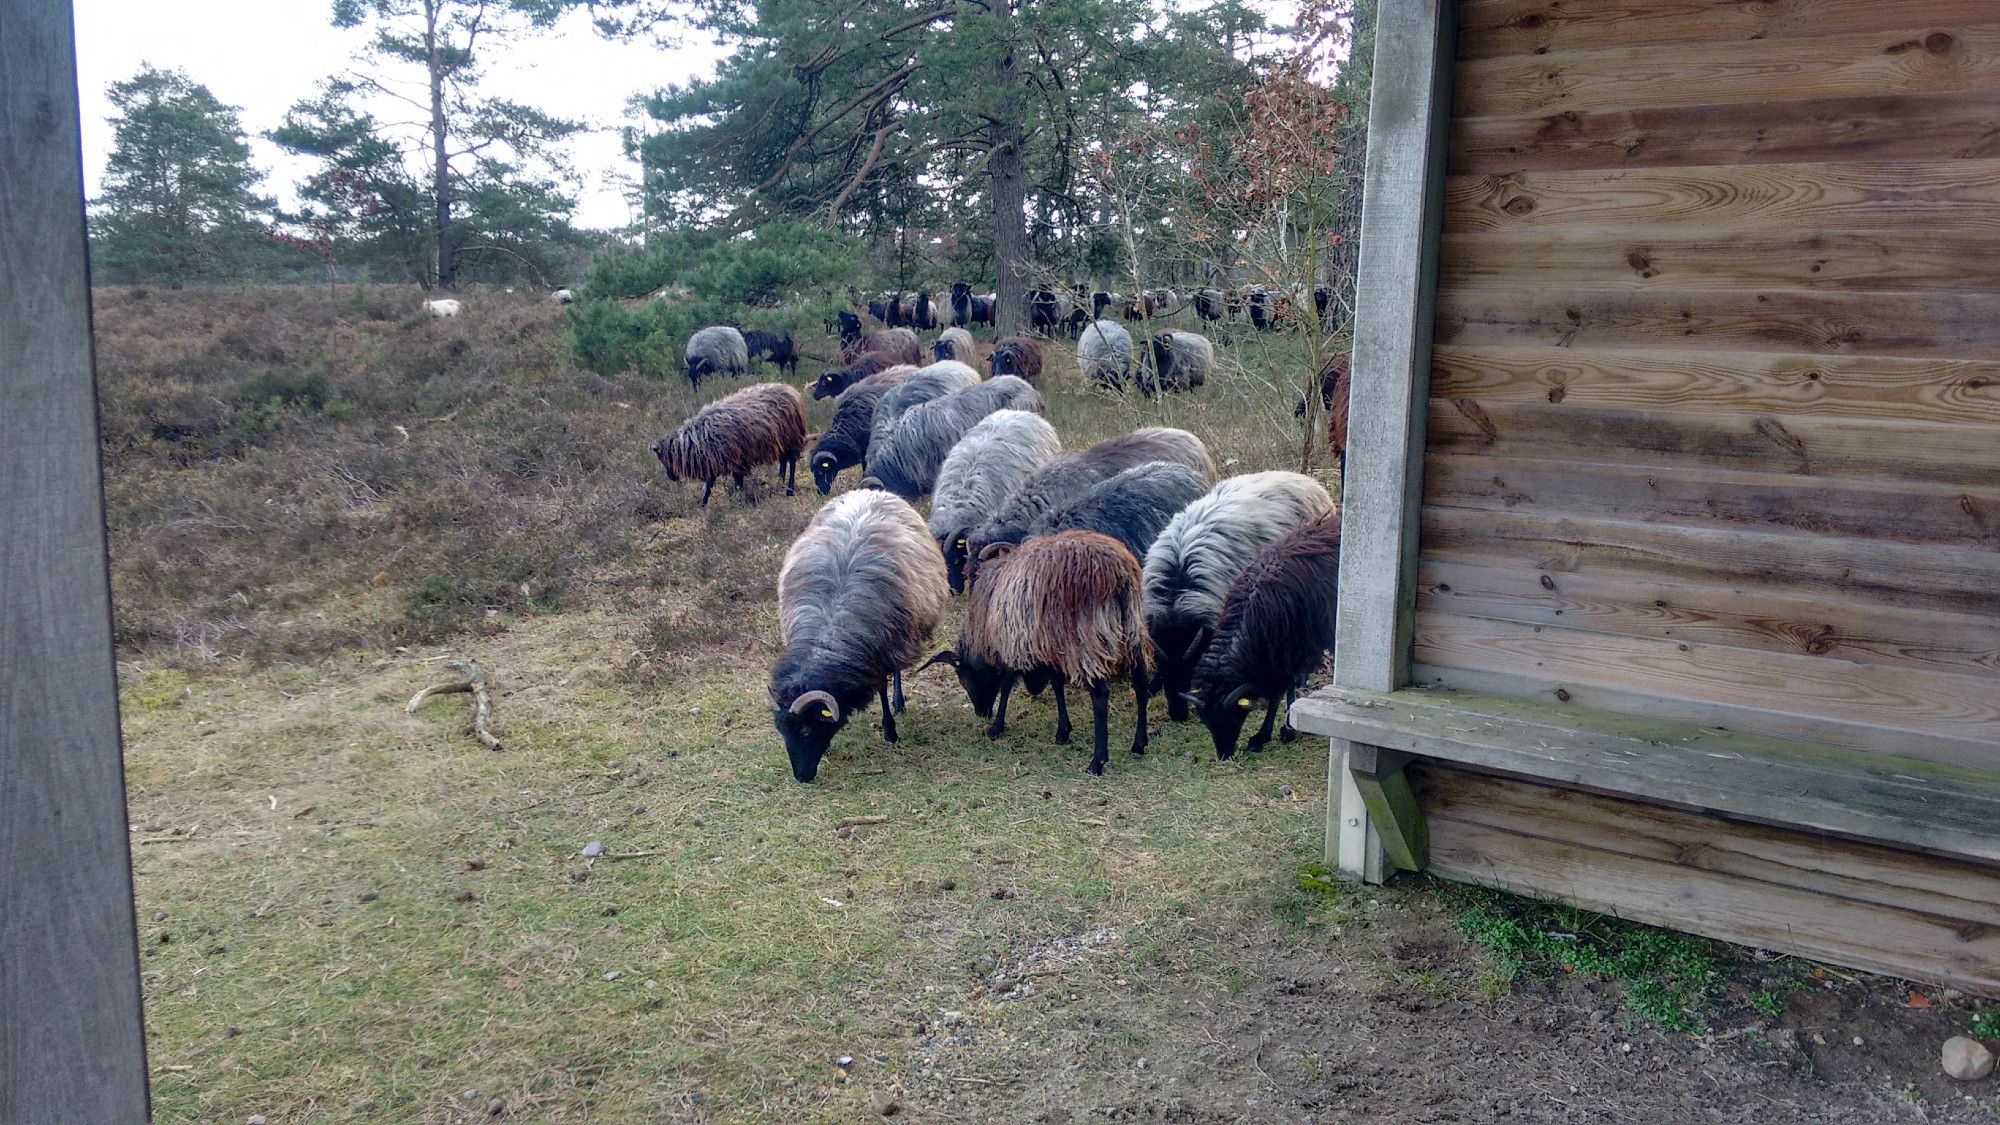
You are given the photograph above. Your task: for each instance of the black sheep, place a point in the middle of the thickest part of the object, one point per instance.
(1277, 624)
(845, 442)
(774, 347)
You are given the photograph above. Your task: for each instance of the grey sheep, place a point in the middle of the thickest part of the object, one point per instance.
(907, 459)
(1132, 507)
(716, 350)
(1190, 566)
(954, 343)
(936, 381)
(860, 594)
(982, 470)
(1104, 354)
(1177, 361)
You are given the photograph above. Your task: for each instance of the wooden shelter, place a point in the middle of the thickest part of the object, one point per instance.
(1671, 585)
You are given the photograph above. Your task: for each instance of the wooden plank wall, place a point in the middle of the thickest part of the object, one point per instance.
(1714, 426)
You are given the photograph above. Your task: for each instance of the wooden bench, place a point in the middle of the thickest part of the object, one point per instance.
(1737, 836)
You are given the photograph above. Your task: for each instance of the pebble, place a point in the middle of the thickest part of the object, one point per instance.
(465, 896)
(1284, 790)
(366, 896)
(496, 1107)
(159, 915)
(613, 975)
(1143, 1064)
(593, 849)
(474, 864)
(1967, 1059)
(254, 1119)
(844, 1061)
(468, 1095)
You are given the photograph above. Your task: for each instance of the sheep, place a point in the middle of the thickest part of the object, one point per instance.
(1133, 506)
(776, 347)
(845, 442)
(1068, 607)
(1152, 303)
(442, 307)
(1078, 316)
(1276, 626)
(1263, 308)
(982, 470)
(849, 327)
(1190, 566)
(936, 381)
(907, 459)
(923, 311)
(1104, 353)
(562, 297)
(834, 380)
(1063, 480)
(954, 343)
(968, 308)
(859, 596)
(1176, 361)
(896, 345)
(716, 350)
(1335, 378)
(757, 425)
(1210, 305)
(1045, 310)
(1017, 355)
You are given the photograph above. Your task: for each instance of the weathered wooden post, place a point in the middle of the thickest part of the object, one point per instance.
(71, 1043)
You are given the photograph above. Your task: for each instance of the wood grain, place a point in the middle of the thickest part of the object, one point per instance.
(1958, 454)
(1640, 259)
(1497, 28)
(1950, 391)
(1905, 198)
(71, 1044)
(1922, 805)
(1929, 715)
(1514, 588)
(1564, 855)
(1939, 324)
(1941, 579)
(1865, 510)
(1922, 57)
(1948, 126)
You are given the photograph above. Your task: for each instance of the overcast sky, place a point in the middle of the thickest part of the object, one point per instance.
(263, 55)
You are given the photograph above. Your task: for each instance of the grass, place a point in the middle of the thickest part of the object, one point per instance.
(1986, 1024)
(1671, 980)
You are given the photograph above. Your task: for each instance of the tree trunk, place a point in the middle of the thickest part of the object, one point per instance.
(1010, 193)
(447, 265)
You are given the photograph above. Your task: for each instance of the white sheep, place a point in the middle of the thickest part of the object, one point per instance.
(562, 297)
(442, 307)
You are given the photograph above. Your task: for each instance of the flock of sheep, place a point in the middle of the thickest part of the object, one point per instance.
(1125, 561)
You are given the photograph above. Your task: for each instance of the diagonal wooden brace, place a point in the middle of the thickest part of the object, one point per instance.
(1384, 788)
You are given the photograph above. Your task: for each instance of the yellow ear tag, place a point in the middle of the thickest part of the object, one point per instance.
(961, 544)
(1243, 703)
(825, 714)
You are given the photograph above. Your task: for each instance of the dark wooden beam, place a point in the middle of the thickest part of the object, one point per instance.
(72, 1047)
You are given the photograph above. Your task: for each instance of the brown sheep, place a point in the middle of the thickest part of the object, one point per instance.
(758, 425)
(897, 345)
(1017, 355)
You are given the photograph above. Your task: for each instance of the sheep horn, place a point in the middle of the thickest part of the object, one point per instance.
(945, 657)
(1240, 698)
(1201, 639)
(993, 551)
(832, 705)
(872, 484)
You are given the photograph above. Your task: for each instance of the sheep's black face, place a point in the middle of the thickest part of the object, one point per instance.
(981, 682)
(824, 469)
(660, 451)
(1224, 716)
(830, 383)
(1180, 647)
(953, 547)
(806, 738)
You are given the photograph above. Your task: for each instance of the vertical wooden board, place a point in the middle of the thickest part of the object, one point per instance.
(1920, 57)
(1863, 935)
(1402, 201)
(71, 1044)
(1951, 126)
(1499, 28)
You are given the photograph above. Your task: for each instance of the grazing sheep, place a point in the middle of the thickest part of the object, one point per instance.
(1061, 481)
(845, 442)
(1190, 566)
(969, 308)
(837, 379)
(860, 594)
(954, 343)
(896, 345)
(562, 297)
(1067, 606)
(936, 381)
(1132, 507)
(776, 347)
(1104, 353)
(758, 425)
(1276, 626)
(442, 307)
(717, 350)
(1177, 361)
(907, 459)
(1017, 355)
(982, 470)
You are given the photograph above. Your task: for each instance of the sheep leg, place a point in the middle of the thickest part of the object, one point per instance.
(1288, 732)
(1139, 697)
(897, 679)
(1263, 734)
(705, 490)
(1100, 719)
(888, 716)
(1062, 713)
(790, 472)
(998, 726)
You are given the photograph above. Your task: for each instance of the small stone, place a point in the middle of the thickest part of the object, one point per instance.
(475, 864)
(1967, 1059)
(254, 1119)
(613, 975)
(232, 1032)
(366, 896)
(844, 1061)
(1857, 1041)
(465, 896)
(159, 915)
(694, 710)
(1144, 1063)
(1953, 994)
(468, 1095)
(1284, 790)
(496, 1107)
(947, 884)
(593, 849)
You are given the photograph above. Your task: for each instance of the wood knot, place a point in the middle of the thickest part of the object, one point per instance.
(1519, 205)
(1557, 393)
(1548, 583)
(1532, 21)
(1937, 42)
(1639, 260)
(1562, 694)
